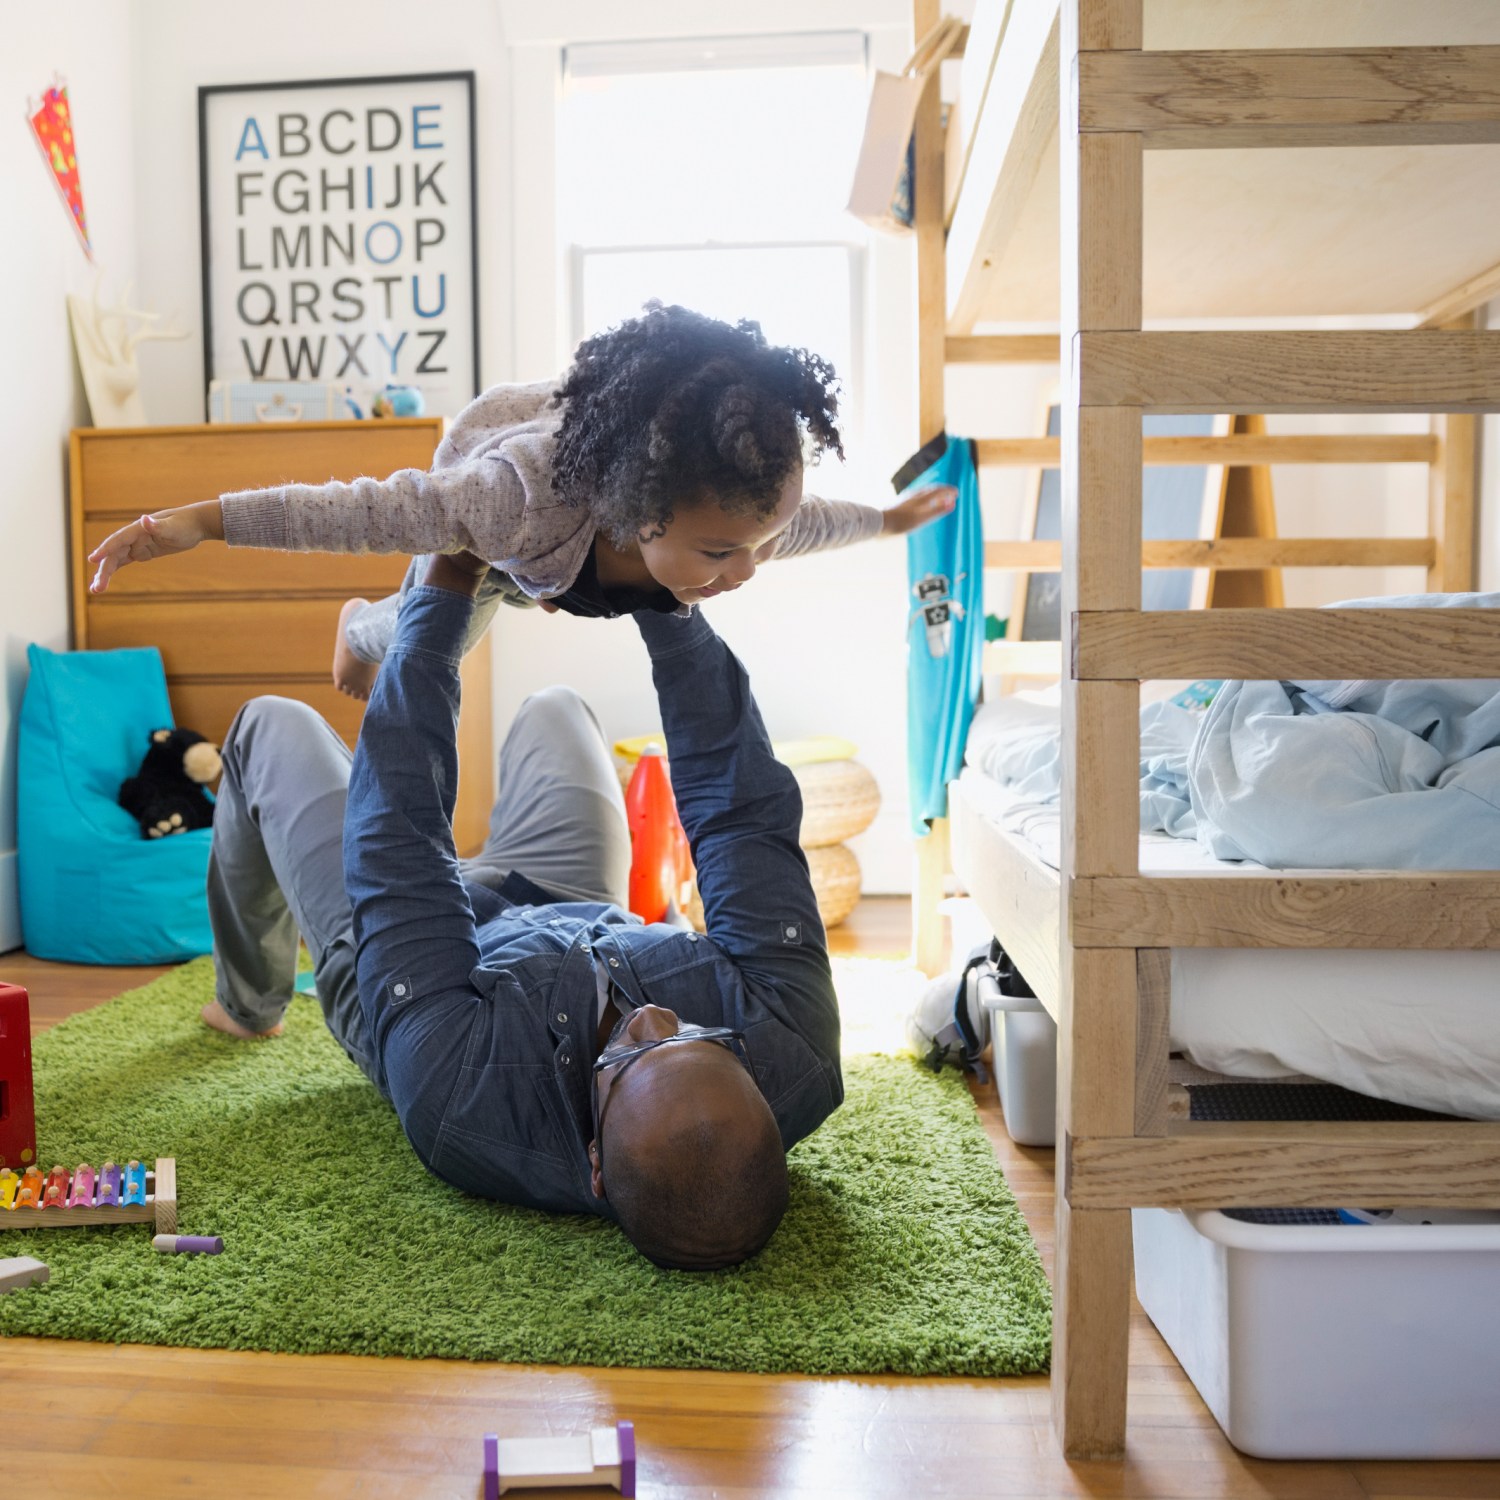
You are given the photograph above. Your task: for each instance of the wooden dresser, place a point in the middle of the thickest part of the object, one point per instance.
(231, 625)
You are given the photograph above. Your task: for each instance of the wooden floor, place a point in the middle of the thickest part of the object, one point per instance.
(140, 1421)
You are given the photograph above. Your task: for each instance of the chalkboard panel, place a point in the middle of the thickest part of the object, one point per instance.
(1179, 501)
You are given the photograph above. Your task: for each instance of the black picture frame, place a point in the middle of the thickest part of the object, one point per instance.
(465, 384)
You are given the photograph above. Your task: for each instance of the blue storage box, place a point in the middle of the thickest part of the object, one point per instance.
(93, 890)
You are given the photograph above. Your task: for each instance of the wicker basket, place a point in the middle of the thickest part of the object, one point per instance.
(835, 881)
(839, 800)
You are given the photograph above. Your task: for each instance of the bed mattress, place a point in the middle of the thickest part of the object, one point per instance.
(1417, 1027)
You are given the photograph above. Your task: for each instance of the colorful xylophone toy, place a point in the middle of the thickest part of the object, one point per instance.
(59, 1199)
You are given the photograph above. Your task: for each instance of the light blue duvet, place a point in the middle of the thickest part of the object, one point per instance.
(1342, 775)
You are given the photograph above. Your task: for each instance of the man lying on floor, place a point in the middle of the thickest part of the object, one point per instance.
(540, 1046)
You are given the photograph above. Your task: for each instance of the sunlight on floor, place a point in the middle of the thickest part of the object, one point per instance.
(876, 995)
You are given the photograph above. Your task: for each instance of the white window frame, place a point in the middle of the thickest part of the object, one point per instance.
(540, 309)
(695, 54)
(851, 412)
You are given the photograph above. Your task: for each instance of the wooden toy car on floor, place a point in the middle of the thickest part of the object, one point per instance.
(82, 1198)
(604, 1456)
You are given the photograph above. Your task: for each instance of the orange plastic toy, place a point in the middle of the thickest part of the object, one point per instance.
(661, 865)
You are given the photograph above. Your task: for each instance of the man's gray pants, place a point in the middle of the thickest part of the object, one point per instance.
(276, 867)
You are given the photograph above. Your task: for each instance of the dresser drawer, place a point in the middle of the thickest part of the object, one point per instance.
(124, 472)
(255, 639)
(209, 706)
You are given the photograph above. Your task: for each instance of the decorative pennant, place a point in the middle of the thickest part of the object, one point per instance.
(52, 125)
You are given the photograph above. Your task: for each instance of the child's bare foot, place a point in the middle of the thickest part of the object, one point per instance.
(216, 1016)
(352, 674)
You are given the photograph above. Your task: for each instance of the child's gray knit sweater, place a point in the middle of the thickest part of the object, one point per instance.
(489, 490)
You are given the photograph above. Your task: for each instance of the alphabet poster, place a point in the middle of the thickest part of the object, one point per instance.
(339, 239)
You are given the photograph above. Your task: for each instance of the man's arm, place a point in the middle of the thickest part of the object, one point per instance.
(371, 630)
(412, 920)
(742, 811)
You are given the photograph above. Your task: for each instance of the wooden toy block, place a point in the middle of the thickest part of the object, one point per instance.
(22, 1270)
(138, 1196)
(604, 1456)
(491, 1466)
(17, 1106)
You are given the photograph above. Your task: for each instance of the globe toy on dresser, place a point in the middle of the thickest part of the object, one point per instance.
(169, 793)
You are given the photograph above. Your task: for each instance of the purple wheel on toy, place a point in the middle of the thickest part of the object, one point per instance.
(626, 1432)
(491, 1466)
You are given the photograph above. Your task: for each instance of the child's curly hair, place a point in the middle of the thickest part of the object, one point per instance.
(672, 407)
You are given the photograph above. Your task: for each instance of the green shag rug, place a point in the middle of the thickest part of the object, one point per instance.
(903, 1249)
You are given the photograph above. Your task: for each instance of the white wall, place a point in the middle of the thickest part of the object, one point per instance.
(41, 395)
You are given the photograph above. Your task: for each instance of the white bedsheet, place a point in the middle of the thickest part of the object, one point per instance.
(1417, 1027)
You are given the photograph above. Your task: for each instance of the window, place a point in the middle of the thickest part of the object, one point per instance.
(714, 173)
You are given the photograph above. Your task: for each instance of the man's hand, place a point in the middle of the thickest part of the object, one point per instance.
(458, 572)
(158, 535)
(918, 508)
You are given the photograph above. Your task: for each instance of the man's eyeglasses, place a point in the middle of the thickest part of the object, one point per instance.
(620, 1058)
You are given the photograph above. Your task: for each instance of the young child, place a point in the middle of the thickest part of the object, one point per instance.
(662, 471)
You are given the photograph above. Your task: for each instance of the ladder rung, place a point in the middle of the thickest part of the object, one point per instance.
(1237, 448)
(1241, 553)
(1004, 349)
(1383, 644)
(1412, 370)
(1368, 96)
(1023, 658)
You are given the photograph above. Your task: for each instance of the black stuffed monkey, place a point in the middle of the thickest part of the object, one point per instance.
(167, 794)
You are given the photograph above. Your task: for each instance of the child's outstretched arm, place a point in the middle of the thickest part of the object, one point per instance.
(479, 507)
(168, 531)
(823, 524)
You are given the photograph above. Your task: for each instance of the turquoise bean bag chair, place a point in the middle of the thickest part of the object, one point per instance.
(93, 890)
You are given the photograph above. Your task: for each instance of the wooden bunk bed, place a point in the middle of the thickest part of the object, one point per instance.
(1414, 238)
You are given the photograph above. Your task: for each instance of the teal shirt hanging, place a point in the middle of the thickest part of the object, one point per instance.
(944, 634)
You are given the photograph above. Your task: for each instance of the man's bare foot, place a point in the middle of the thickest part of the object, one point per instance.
(352, 674)
(216, 1016)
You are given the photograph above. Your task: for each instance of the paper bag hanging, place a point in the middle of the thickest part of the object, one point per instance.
(881, 195)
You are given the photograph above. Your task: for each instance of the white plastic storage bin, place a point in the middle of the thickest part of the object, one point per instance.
(1023, 1050)
(1332, 1340)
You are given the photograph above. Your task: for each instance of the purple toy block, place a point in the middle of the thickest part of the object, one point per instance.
(626, 1431)
(492, 1466)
